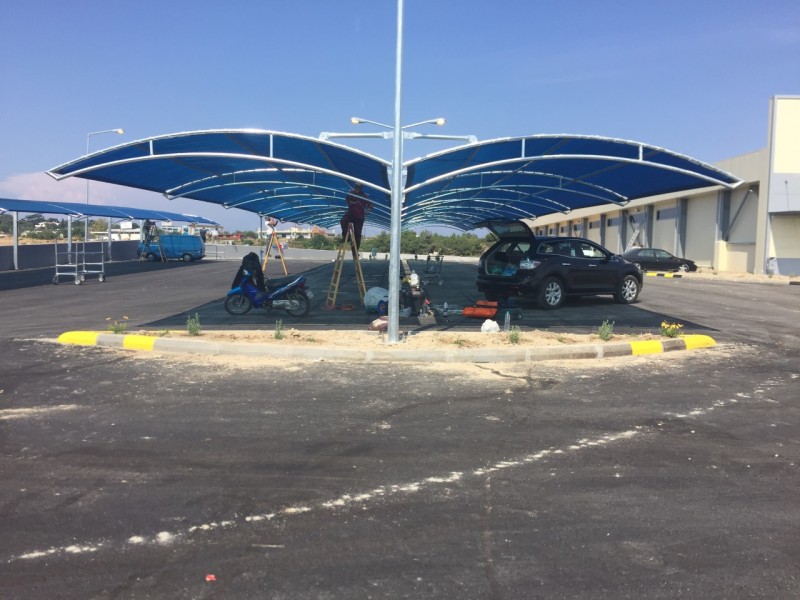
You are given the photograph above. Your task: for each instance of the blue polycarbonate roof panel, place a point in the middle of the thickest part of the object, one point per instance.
(293, 178)
(305, 180)
(538, 175)
(76, 209)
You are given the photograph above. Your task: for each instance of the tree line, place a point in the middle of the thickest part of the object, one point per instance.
(425, 242)
(56, 229)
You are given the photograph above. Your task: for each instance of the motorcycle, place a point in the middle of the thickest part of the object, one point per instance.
(288, 293)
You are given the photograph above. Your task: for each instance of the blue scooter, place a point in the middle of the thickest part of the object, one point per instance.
(288, 293)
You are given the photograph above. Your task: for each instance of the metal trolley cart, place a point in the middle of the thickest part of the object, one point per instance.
(80, 262)
(433, 269)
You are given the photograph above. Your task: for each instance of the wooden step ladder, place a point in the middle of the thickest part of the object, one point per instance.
(273, 239)
(349, 243)
(153, 236)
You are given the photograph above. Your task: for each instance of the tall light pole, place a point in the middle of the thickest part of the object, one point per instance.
(397, 133)
(89, 135)
(393, 330)
(398, 171)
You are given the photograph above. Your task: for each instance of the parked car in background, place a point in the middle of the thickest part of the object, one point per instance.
(655, 259)
(548, 269)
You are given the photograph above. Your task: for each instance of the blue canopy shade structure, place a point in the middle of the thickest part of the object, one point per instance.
(75, 209)
(305, 180)
(290, 177)
(532, 176)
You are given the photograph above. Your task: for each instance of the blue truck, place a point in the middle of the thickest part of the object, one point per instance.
(168, 246)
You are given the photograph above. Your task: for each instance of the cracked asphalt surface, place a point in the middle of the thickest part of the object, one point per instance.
(137, 476)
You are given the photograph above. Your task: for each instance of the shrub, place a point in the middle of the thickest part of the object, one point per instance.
(671, 329)
(193, 324)
(118, 326)
(606, 330)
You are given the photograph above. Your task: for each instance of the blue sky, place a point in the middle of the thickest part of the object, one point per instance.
(691, 76)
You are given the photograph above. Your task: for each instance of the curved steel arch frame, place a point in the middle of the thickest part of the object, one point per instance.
(305, 180)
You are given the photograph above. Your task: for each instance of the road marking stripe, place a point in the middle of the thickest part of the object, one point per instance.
(138, 342)
(646, 347)
(698, 341)
(81, 338)
(345, 501)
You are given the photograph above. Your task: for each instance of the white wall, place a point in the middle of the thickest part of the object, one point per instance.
(786, 243)
(701, 219)
(593, 231)
(612, 232)
(664, 227)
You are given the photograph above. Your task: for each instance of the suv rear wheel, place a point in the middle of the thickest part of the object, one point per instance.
(552, 293)
(628, 290)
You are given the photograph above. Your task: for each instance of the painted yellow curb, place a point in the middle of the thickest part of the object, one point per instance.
(138, 342)
(646, 347)
(146, 342)
(698, 341)
(80, 338)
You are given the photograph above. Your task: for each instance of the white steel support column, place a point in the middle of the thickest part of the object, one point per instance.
(397, 191)
(15, 233)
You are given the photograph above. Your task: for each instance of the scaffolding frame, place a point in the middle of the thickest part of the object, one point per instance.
(77, 262)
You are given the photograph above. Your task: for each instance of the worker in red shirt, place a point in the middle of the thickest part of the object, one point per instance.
(357, 208)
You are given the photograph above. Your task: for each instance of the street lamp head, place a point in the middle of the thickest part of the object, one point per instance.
(359, 120)
(440, 121)
(117, 131)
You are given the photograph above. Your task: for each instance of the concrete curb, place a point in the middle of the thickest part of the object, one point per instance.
(388, 354)
(719, 278)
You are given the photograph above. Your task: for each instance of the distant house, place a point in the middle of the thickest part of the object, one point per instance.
(48, 224)
(295, 232)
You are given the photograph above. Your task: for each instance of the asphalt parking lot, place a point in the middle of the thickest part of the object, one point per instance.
(161, 296)
(133, 476)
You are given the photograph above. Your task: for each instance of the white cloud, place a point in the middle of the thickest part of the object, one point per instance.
(39, 186)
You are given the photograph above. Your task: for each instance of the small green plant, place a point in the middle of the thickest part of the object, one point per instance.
(671, 329)
(118, 326)
(514, 335)
(193, 324)
(278, 335)
(163, 333)
(459, 341)
(606, 330)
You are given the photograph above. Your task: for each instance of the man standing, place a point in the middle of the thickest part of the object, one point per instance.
(357, 208)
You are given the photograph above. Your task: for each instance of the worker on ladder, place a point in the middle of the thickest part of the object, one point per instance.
(357, 208)
(148, 229)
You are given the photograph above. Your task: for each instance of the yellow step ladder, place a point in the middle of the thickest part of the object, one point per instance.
(333, 289)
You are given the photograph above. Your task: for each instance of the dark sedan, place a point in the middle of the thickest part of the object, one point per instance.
(655, 259)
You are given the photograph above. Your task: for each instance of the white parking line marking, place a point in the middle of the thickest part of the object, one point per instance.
(345, 500)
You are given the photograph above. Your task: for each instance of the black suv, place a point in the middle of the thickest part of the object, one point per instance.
(548, 269)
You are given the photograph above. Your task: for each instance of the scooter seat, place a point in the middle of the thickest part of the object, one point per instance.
(274, 284)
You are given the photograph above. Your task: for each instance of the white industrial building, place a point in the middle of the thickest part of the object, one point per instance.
(753, 228)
